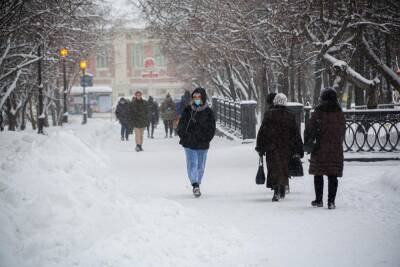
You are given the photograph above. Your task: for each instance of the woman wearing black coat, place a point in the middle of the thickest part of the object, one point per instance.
(279, 139)
(196, 129)
(327, 157)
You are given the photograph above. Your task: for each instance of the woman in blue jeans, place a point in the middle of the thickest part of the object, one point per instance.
(196, 129)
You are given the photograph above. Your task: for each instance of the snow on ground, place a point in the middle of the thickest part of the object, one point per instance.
(82, 197)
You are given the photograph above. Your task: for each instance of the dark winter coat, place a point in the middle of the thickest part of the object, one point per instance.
(152, 111)
(122, 112)
(168, 110)
(185, 101)
(139, 113)
(279, 138)
(328, 158)
(196, 128)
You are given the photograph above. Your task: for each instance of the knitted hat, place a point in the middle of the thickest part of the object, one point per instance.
(280, 100)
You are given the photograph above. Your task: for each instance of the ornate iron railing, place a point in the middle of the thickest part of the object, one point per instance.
(372, 130)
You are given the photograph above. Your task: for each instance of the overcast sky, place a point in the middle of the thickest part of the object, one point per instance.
(124, 9)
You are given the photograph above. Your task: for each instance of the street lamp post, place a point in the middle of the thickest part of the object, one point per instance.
(64, 54)
(83, 65)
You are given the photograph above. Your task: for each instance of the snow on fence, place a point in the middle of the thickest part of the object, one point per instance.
(376, 130)
(237, 118)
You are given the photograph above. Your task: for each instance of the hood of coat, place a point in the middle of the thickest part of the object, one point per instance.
(328, 101)
(202, 92)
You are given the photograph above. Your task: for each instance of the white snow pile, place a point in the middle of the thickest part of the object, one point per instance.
(59, 206)
(391, 179)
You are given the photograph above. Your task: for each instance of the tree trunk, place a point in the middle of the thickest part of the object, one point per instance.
(300, 83)
(350, 89)
(23, 114)
(388, 54)
(11, 116)
(31, 115)
(318, 81)
(231, 83)
(285, 81)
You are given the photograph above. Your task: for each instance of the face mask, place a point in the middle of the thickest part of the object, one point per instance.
(197, 102)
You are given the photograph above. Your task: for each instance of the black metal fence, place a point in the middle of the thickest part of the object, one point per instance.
(370, 130)
(236, 118)
(366, 130)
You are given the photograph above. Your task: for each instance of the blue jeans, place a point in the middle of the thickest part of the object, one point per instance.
(195, 163)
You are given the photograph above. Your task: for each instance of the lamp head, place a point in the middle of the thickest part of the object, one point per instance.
(64, 52)
(83, 64)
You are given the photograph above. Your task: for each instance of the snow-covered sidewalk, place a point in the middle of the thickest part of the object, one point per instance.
(82, 197)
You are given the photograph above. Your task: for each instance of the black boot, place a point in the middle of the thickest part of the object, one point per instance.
(332, 189)
(276, 196)
(282, 192)
(319, 190)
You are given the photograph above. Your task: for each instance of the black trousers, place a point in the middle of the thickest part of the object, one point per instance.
(169, 125)
(319, 187)
(151, 125)
(124, 130)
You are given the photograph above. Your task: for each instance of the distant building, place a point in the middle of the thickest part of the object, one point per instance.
(131, 61)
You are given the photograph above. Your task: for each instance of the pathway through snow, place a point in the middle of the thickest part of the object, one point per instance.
(96, 202)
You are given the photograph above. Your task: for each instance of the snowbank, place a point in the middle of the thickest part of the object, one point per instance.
(391, 179)
(59, 206)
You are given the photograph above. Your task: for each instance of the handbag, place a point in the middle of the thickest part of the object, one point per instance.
(312, 138)
(260, 177)
(295, 167)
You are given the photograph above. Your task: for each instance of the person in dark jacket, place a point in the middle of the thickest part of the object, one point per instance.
(327, 157)
(168, 113)
(184, 102)
(139, 114)
(270, 100)
(122, 114)
(279, 139)
(196, 129)
(152, 116)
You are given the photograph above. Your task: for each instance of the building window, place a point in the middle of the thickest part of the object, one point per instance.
(159, 57)
(138, 55)
(102, 58)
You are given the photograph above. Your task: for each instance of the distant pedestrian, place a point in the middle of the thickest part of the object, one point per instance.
(327, 128)
(139, 114)
(196, 129)
(152, 116)
(279, 139)
(168, 112)
(185, 100)
(122, 114)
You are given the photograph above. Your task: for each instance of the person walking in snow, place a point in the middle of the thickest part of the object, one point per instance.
(327, 126)
(122, 114)
(168, 112)
(152, 116)
(139, 114)
(196, 129)
(279, 139)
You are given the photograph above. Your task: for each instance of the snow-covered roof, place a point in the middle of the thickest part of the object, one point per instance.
(91, 89)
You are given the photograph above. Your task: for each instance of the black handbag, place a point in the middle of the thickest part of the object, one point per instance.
(260, 177)
(295, 167)
(312, 138)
